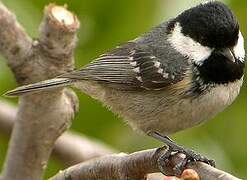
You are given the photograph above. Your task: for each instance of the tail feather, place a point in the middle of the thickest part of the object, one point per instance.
(43, 85)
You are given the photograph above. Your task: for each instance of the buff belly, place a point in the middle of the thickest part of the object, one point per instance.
(163, 111)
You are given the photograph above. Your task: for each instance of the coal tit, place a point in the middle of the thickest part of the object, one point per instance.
(181, 73)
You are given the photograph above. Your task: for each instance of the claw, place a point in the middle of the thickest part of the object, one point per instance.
(163, 160)
(191, 156)
(179, 168)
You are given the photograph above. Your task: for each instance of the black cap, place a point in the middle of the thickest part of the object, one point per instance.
(212, 24)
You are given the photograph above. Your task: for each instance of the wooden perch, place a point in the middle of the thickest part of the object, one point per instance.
(135, 166)
(42, 117)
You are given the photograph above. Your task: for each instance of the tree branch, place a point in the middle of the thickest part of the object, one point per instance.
(41, 117)
(15, 43)
(135, 166)
(7, 117)
(70, 148)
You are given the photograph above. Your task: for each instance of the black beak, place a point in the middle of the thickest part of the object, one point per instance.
(228, 53)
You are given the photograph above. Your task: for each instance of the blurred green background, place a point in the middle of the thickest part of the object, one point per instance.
(107, 23)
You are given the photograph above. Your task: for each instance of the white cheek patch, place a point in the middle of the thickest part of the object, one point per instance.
(187, 46)
(238, 49)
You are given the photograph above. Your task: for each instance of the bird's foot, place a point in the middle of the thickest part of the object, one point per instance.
(190, 156)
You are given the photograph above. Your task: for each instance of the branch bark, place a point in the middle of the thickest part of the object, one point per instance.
(41, 117)
(70, 148)
(7, 117)
(135, 166)
(15, 43)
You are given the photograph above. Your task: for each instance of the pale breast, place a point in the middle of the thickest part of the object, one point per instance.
(161, 111)
(188, 113)
(215, 101)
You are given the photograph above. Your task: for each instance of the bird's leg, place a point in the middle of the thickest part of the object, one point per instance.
(191, 156)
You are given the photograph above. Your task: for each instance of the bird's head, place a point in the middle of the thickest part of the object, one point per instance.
(209, 35)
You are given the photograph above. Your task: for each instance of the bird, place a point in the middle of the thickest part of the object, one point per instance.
(181, 73)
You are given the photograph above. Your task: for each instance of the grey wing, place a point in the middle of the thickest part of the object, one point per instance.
(128, 67)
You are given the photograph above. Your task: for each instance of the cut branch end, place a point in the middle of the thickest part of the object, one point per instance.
(62, 17)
